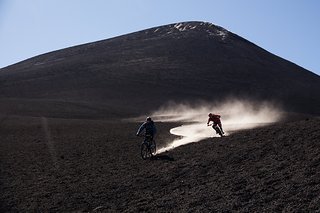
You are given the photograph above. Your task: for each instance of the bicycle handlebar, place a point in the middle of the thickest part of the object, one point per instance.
(143, 135)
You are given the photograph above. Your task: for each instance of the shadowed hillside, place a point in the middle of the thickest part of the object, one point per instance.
(133, 73)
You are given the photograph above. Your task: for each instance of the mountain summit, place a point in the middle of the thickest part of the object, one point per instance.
(140, 71)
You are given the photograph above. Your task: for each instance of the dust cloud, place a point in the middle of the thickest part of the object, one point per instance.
(236, 115)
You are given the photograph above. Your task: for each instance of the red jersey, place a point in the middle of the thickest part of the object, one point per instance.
(214, 118)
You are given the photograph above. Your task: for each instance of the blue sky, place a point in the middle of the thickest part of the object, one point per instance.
(287, 28)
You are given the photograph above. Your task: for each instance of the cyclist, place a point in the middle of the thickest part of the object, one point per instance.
(216, 121)
(149, 126)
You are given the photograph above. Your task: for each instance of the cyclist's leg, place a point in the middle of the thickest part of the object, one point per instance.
(147, 140)
(153, 147)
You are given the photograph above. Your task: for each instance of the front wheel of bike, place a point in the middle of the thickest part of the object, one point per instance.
(145, 153)
(219, 131)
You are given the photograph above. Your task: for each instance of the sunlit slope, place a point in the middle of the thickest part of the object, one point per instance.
(141, 71)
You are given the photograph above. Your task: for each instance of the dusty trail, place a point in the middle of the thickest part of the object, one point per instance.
(236, 115)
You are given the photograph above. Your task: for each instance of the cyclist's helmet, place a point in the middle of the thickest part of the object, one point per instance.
(210, 114)
(148, 119)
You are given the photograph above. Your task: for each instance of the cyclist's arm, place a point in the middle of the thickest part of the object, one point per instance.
(141, 128)
(208, 121)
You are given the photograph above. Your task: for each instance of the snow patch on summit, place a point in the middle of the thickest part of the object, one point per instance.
(209, 28)
(183, 27)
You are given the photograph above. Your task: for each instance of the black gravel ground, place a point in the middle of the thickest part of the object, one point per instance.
(65, 165)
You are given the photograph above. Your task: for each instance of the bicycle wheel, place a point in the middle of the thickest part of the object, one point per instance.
(153, 147)
(145, 153)
(219, 131)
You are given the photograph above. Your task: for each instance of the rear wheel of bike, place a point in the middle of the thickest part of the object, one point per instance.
(153, 147)
(145, 153)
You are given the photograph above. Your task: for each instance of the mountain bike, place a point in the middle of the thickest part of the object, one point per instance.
(148, 147)
(217, 128)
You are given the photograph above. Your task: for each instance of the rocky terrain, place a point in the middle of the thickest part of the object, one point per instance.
(52, 165)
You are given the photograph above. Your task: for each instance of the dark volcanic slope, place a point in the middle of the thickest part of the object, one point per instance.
(181, 62)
